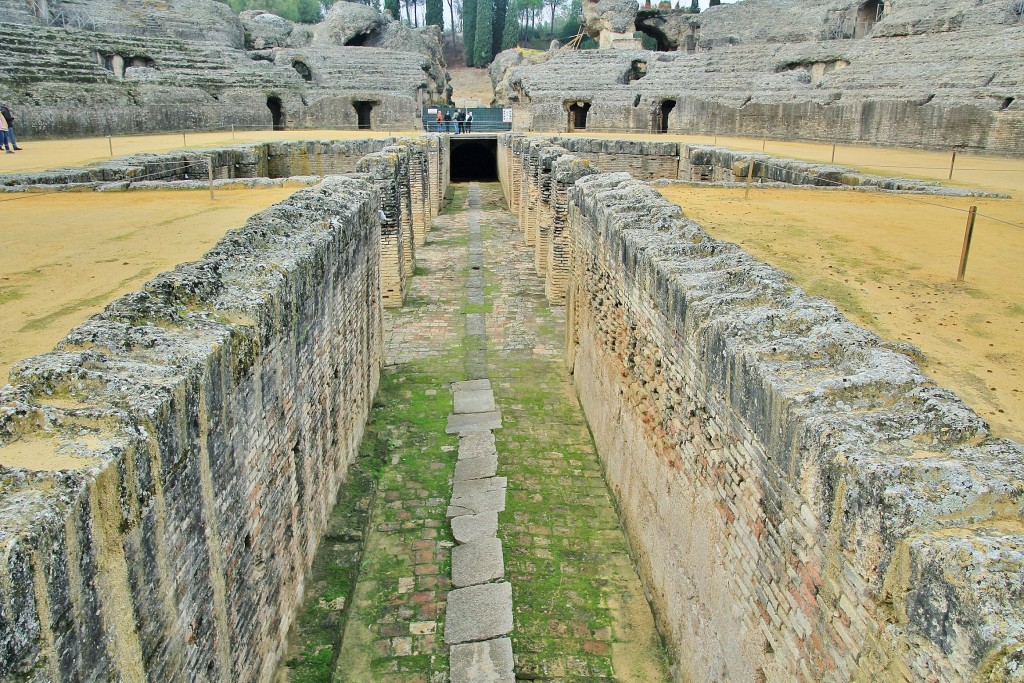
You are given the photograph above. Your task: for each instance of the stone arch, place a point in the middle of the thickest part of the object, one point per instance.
(666, 108)
(303, 70)
(364, 110)
(276, 111)
(867, 14)
(578, 112)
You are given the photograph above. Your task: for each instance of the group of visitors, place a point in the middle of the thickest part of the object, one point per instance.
(454, 122)
(7, 139)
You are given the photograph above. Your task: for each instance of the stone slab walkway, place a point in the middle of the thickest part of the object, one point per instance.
(570, 607)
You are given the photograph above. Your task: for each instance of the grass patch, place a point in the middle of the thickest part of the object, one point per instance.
(9, 294)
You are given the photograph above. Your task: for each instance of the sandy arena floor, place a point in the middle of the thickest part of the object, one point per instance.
(889, 262)
(63, 257)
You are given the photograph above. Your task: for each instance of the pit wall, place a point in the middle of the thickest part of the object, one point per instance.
(186, 448)
(802, 503)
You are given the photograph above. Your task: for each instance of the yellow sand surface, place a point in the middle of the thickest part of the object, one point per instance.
(471, 87)
(889, 262)
(42, 155)
(65, 256)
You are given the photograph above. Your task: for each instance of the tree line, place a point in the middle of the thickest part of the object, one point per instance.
(487, 26)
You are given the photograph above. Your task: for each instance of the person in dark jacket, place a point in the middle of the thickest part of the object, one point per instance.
(5, 111)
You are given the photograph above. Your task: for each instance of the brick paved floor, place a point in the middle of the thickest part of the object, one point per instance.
(580, 614)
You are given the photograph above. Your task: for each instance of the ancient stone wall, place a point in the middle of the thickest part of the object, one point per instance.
(383, 171)
(802, 502)
(931, 76)
(169, 469)
(83, 82)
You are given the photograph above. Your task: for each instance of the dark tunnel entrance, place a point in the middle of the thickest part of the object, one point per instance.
(276, 112)
(475, 159)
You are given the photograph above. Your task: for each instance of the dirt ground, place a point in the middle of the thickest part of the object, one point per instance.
(63, 257)
(471, 87)
(889, 262)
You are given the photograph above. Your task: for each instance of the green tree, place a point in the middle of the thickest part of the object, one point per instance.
(483, 46)
(498, 25)
(469, 29)
(694, 7)
(393, 7)
(435, 13)
(510, 34)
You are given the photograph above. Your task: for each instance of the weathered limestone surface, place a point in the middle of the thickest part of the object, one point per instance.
(489, 661)
(168, 470)
(802, 502)
(478, 613)
(946, 76)
(147, 68)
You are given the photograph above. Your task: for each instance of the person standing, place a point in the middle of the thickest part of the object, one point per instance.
(457, 118)
(468, 126)
(4, 141)
(5, 112)
(447, 121)
(440, 121)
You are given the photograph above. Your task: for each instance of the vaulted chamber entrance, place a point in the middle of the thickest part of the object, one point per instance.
(363, 110)
(666, 108)
(578, 115)
(474, 159)
(276, 112)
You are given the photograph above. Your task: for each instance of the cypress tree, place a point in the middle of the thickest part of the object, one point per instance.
(510, 36)
(435, 13)
(483, 46)
(469, 29)
(498, 25)
(392, 6)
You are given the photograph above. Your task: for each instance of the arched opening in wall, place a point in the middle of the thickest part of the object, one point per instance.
(637, 70)
(867, 14)
(358, 40)
(663, 44)
(1005, 104)
(666, 108)
(363, 111)
(474, 159)
(276, 111)
(303, 70)
(578, 115)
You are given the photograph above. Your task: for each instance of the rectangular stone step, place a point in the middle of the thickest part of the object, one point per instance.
(478, 613)
(473, 422)
(478, 562)
(489, 661)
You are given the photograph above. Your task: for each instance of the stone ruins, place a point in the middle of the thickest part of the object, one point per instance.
(908, 72)
(799, 500)
(128, 67)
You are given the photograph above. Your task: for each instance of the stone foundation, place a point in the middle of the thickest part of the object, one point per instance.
(802, 502)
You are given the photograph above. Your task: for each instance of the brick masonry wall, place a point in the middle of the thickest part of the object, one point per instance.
(188, 444)
(382, 169)
(802, 502)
